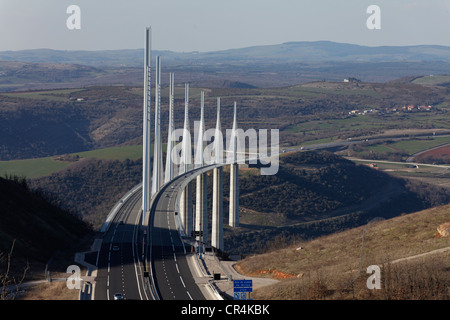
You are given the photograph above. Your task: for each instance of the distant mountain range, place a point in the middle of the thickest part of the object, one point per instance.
(290, 52)
(284, 64)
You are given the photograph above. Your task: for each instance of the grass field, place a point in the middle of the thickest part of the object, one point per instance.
(39, 167)
(432, 80)
(410, 147)
(55, 95)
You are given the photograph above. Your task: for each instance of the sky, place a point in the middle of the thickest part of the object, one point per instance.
(210, 25)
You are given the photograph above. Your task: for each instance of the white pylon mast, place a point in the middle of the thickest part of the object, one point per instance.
(218, 138)
(169, 174)
(234, 141)
(186, 158)
(201, 214)
(157, 152)
(233, 217)
(186, 151)
(199, 157)
(146, 126)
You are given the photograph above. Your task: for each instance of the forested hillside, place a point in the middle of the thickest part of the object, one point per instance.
(317, 193)
(91, 187)
(34, 227)
(40, 124)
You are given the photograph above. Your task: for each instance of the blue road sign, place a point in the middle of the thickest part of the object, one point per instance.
(240, 296)
(241, 288)
(243, 283)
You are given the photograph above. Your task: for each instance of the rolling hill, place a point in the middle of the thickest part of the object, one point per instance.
(289, 52)
(261, 66)
(412, 255)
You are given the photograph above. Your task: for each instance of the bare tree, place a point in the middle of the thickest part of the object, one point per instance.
(10, 287)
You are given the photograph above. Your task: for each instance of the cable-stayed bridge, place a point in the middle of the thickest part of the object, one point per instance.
(143, 251)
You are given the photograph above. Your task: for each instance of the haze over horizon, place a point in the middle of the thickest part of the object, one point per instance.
(205, 26)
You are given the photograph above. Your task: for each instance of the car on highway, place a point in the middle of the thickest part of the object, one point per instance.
(115, 248)
(118, 296)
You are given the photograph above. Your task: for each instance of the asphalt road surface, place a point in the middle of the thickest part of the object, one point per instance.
(119, 268)
(174, 280)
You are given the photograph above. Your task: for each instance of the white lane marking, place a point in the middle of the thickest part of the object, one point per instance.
(182, 282)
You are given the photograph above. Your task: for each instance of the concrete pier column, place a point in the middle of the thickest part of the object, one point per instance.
(217, 209)
(234, 196)
(201, 214)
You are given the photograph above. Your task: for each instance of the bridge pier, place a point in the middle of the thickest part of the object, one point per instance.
(201, 214)
(233, 219)
(217, 209)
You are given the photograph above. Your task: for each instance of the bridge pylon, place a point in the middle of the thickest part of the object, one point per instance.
(233, 219)
(217, 205)
(157, 145)
(146, 130)
(186, 207)
(201, 214)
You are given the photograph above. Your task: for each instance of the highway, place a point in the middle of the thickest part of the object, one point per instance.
(173, 278)
(118, 265)
(120, 259)
(354, 141)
